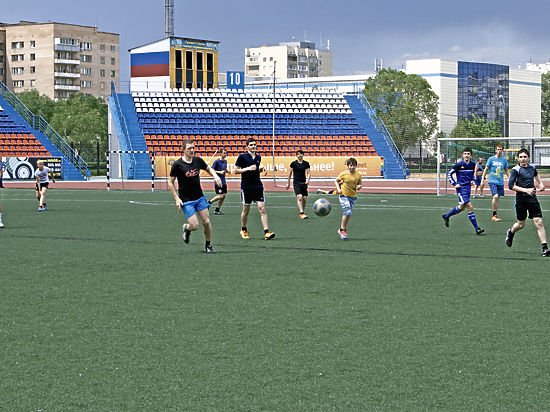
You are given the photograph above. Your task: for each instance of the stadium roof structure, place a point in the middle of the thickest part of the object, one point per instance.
(174, 37)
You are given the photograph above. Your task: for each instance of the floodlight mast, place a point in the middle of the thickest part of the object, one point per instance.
(168, 18)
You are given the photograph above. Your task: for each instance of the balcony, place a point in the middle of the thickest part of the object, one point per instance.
(66, 87)
(67, 75)
(66, 47)
(66, 61)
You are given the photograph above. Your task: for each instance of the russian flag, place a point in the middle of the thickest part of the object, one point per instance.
(150, 64)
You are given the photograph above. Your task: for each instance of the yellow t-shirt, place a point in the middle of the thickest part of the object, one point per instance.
(349, 183)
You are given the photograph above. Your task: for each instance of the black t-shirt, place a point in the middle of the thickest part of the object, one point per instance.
(250, 179)
(299, 171)
(189, 182)
(523, 177)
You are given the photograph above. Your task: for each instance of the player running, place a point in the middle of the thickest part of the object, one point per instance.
(464, 173)
(189, 196)
(220, 166)
(302, 173)
(252, 189)
(478, 192)
(42, 175)
(347, 184)
(496, 166)
(522, 181)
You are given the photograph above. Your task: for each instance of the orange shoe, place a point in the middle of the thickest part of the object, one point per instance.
(495, 218)
(302, 215)
(244, 234)
(269, 235)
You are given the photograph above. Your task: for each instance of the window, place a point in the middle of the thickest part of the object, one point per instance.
(112, 60)
(271, 59)
(189, 60)
(102, 60)
(1, 71)
(18, 83)
(1, 59)
(112, 73)
(265, 59)
(17, 70)
(32, 82)
(1, 47)
(209, 62)
(101, 47)
(32, 69)
(17, 44)
(102, 72)
(102, 85)
(33, 43)
(85, 46)
(85, 84)
(17, 57)
(33, 56)
(67, 41)
(112, 48)
(87, 58)
(87, 71)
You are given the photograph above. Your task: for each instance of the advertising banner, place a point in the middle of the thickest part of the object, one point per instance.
(330, 167)
(24, 167)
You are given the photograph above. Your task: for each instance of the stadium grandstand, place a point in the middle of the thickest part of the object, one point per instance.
(26, 137)
(323, 124)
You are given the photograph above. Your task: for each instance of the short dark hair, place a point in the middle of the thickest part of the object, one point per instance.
(223, 149)
(520, 151)
(467, 149)
(299, 151)
(185, 142)
(499, 145)
(250, 140)
(351, 161)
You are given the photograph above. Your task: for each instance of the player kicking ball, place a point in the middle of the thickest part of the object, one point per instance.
(347, 184)
(522, 181)
(189, 196)
(464, 175)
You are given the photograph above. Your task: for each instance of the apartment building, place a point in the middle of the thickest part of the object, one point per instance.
(58, 59)
(294, 60)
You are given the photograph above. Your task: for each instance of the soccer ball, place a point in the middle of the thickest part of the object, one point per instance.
(322, 207)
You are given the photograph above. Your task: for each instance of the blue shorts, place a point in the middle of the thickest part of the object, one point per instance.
(496, 189)
(347, 203)
(477, 180)
(463, 193)
(193, 206)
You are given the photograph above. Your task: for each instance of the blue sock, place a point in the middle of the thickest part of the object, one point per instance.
(472, 218)
(454, 211)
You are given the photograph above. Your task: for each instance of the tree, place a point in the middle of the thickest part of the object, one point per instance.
(407, 105)
(476, 127)
(545, 104)
(42, 105)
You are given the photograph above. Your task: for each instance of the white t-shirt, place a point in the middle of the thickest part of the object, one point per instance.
(42, 175)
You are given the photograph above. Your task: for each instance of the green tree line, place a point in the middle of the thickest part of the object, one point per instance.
(80, 120)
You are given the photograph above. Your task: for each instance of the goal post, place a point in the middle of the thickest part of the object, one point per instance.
(449, 151)
(116, 170)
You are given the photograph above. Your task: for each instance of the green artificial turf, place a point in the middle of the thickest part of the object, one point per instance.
(103, 307)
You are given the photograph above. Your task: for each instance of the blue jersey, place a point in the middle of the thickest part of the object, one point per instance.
(220, 166)
(463, 173)
(497, 166)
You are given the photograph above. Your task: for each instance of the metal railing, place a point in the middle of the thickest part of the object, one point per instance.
(381, 127)
(123, 125)
(37, 122)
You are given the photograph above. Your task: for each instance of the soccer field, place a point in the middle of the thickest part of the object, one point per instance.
(103, 307)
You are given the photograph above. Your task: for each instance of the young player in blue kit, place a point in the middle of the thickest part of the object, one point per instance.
(464, 174)
(478, 192)
(522, 181)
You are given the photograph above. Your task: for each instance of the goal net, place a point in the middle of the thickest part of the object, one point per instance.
(449, 151)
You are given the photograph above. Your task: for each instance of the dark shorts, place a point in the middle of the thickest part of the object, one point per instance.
(524, 206)
(220, 189)
(300, 189)
(252, 195)
(42, 185)
(477, 180)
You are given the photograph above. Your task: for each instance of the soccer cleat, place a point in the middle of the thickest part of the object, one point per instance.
(244, 234)
(546, 252)
(495, 218)
(208, 249)
(343, 234)
(319, 191)
(41, 209)
(479, 231)
(186, 234)
(2, 225)
(509, 238)
(302, 215)
(218, 212)
(446, 220)
(269, 236)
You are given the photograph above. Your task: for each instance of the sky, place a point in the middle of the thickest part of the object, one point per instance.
(502, 32)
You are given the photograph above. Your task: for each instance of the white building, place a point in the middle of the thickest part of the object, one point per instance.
(542, 68)
(294, 60)
(494, 92)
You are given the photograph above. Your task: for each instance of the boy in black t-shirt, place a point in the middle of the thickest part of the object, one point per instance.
(302, 173)
(522, 181)
(189, 196)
